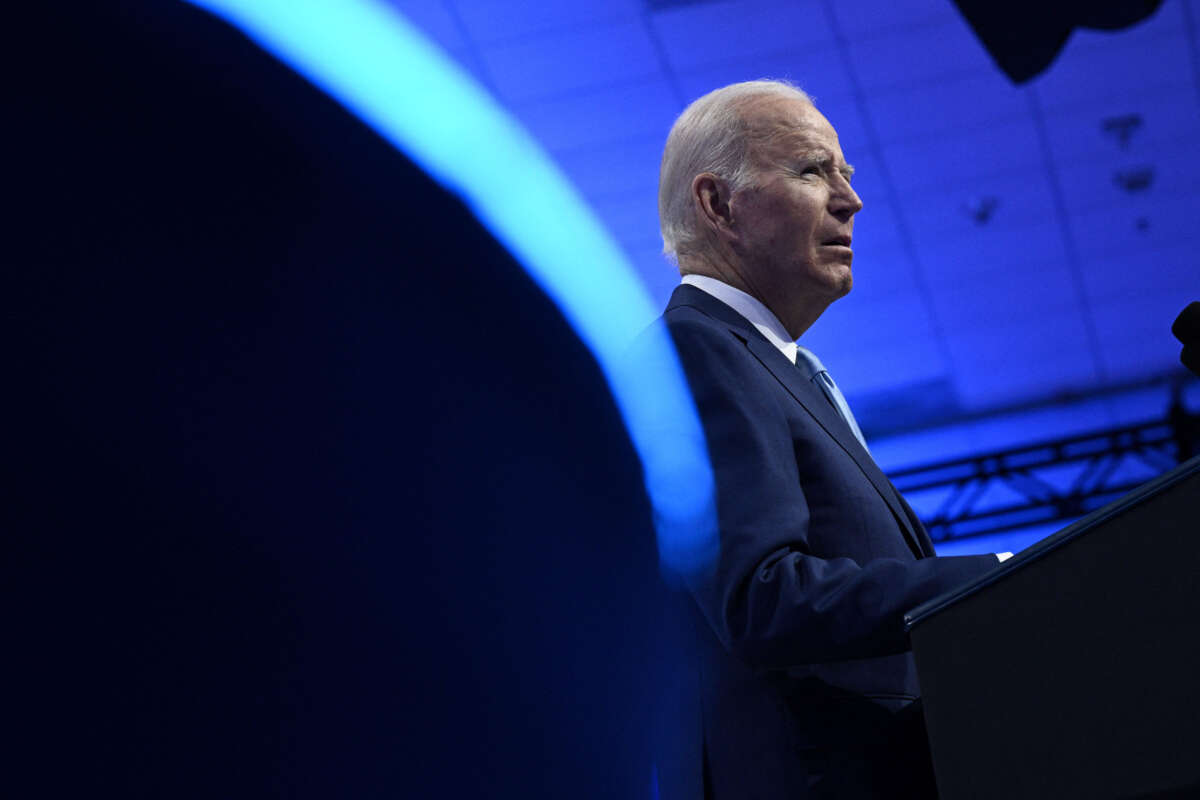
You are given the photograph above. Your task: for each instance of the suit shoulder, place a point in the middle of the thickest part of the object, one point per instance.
(712, 352)
(685, 315)
(687, 323)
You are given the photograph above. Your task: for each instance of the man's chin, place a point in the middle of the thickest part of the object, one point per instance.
(842, 286)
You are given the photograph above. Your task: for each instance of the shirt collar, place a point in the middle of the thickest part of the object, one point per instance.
(751, 308)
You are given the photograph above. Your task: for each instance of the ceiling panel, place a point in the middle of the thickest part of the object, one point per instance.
(1167, 20)
(602, 116)
(620, 169)
(877, 234)
(946, 107)
(660, 276)
(634, 215)
(1130, 360)
(1005, 220)
(707, 33)
(1124, 188)
(865, 20)
(845, 114)
(871, 321)
(1005, 364)
(1095, 130)
(917, 55)
(1129, 273)
(885, 363)
(1136, 332)
(490, 21)
(956, 161)
(880, 273)
(876, 230)
(1162, 251)
(1122, 65)
(1019, 251)
(816, 69)
(556, 64)
(1006, 296)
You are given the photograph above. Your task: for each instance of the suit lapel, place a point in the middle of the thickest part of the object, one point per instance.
(828, 418)
(807, 395)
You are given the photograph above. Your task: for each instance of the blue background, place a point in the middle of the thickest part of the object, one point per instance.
(1049, 318)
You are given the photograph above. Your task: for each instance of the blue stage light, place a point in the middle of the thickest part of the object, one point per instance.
(367, 57)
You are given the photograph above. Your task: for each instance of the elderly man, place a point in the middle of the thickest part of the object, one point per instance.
(800, 683)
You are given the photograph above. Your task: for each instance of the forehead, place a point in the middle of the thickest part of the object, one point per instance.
(781, 125)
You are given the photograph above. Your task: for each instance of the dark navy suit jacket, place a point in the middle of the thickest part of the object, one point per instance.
(798, 659)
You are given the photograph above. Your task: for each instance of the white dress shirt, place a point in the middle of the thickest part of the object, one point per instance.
(751, 308)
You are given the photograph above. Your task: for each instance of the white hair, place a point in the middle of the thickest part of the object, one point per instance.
(711, 135)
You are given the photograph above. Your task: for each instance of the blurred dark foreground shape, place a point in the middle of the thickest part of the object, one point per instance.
(311, 491)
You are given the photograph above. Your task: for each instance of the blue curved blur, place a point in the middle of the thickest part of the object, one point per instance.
(367, 57)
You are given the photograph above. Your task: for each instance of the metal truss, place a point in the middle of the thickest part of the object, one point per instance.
(1036, 498)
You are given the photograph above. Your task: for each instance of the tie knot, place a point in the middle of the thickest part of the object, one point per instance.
(812, 369)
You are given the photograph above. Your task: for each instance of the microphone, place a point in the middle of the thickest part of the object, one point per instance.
(1187, 330)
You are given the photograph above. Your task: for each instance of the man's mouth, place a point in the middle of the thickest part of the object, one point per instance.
(843, 241)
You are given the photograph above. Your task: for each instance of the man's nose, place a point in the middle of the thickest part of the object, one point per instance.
(845, 201)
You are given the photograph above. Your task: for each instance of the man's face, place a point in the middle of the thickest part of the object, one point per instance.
(795, 219)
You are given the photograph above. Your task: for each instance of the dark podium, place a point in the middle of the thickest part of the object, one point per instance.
(1073, 669)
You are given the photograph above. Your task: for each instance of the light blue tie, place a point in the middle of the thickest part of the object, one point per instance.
(809, 364)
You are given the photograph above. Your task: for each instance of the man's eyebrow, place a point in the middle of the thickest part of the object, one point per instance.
(824, 159)
(819, 157)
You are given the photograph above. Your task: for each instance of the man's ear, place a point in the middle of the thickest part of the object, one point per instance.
(711, 196)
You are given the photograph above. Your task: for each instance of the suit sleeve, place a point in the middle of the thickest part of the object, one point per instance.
(770, 600)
